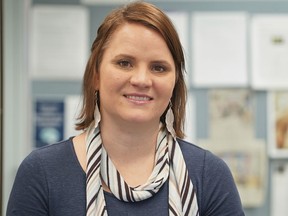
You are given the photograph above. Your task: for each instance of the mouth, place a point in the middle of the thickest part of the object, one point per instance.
(140, 98)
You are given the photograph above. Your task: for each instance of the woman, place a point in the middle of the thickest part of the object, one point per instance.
(130, 159)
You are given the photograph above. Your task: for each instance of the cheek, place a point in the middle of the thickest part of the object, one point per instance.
(165, 90)
(170, 86)
(110, 82)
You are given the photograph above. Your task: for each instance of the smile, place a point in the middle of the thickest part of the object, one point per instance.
(138, 98)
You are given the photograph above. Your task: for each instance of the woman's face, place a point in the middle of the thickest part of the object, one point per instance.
(136, 77)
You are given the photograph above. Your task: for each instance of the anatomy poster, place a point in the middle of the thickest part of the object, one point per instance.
(278, 123)
(231, 137)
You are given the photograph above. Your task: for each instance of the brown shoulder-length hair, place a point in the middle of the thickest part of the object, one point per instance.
(152, 17)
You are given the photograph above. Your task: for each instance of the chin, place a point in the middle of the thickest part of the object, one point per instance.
(139, 120)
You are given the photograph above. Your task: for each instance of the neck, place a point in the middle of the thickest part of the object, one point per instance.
(118, 138)
(131, 149)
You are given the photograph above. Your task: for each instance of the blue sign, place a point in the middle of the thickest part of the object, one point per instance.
(49, 122)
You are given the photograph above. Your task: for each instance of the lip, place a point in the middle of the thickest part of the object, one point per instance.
(138, 98)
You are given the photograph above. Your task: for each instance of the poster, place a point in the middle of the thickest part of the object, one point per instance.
(279, 190)
(278, 123)
(58, 42)
(231, 137)
(231, 110)
(219, 49)
(248, 165)
(180, 21)
(269, 44)
(48, 121)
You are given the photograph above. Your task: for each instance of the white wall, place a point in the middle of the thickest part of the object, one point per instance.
(16, 91)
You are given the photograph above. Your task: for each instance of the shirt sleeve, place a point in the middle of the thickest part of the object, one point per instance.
(220, 195)
(29, 195)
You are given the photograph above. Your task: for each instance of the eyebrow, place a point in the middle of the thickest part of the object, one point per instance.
(124, 56)
(159, 61)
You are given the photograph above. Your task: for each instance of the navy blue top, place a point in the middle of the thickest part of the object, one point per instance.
(51, 181)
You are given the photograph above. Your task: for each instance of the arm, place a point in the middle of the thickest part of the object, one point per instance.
(220, 195)
(29, 195)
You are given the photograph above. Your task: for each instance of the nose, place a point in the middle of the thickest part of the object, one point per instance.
(141, 77)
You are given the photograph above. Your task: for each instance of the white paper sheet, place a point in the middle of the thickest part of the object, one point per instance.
(73, 105)
(190, 119)
(103, 2)
(180, 21)
(269, 41)
(58, 42)
(279, 189)
(219, 49)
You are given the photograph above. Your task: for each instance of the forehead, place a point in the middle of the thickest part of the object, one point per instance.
(133, 33)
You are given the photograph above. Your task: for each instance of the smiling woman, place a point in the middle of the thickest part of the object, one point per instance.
(130, 158)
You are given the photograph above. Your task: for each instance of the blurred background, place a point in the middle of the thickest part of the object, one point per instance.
(237, 76)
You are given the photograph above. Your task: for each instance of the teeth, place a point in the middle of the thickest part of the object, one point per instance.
(138, 98)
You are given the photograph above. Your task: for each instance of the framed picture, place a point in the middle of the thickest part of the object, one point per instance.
(278, 123)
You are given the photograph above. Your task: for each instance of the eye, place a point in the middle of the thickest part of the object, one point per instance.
(124, 64)
(159, 68)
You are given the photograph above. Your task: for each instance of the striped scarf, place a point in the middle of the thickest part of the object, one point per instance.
(169, 163)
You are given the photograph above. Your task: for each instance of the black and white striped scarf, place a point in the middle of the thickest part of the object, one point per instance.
(169, 163)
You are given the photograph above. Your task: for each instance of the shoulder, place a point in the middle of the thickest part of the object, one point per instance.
(202, 164)
(215, 187)
(51, 165)
(56, 147)
(44, 180)
(53, 151)
(50, 158)
(197, 156)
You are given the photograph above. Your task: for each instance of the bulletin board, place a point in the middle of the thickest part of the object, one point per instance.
(192, 12)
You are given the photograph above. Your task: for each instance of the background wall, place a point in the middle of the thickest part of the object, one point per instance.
(20, 90)
(16, 103)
